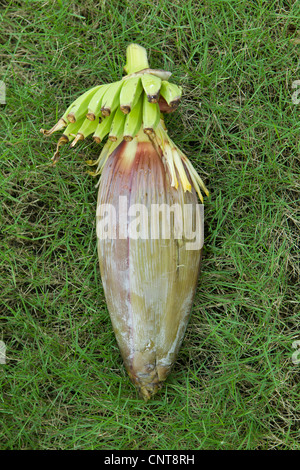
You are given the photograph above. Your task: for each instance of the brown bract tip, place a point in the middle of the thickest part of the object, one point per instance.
(61, 141)
(153, 98)
(105, 111)
(71, 117)
(125, 109)
(147, 384)
(91, 116)
(58, 126)
(148, 131)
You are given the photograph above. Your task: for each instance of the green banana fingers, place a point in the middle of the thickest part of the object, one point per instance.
(103, 128)
(72, 111)
(133, 121)
(80, 107)
(117, 127)
(151, 85)
(119, 109)
(171, 93)
(130, 93)
(151, 115)
(94, 106)
(72, 129)
(88, 127)
(111, 98)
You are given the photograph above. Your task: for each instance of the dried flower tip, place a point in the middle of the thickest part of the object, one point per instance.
(61, 124)
(77, 138)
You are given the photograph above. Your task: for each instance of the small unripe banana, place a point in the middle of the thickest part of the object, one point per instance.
(130, 93)
(171, 93)
(88, 127)
(151, 85)
(151, 115)
(80, 106)
(117, 126)
(103, 128)
(94, 106)
(133, 121)
(73, 108)
(111, 98)
(72, 129)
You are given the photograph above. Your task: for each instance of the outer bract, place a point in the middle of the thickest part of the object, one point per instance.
(149, 283)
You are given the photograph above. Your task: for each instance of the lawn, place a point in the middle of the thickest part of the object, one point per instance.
(235, 384)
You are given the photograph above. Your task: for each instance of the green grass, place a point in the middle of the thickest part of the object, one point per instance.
(234, 385)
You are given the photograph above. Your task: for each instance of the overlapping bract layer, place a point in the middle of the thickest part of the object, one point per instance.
(177, 165)
(149, 277)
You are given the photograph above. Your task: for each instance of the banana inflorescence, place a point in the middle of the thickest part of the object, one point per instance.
(118, 109)
(149, 281)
